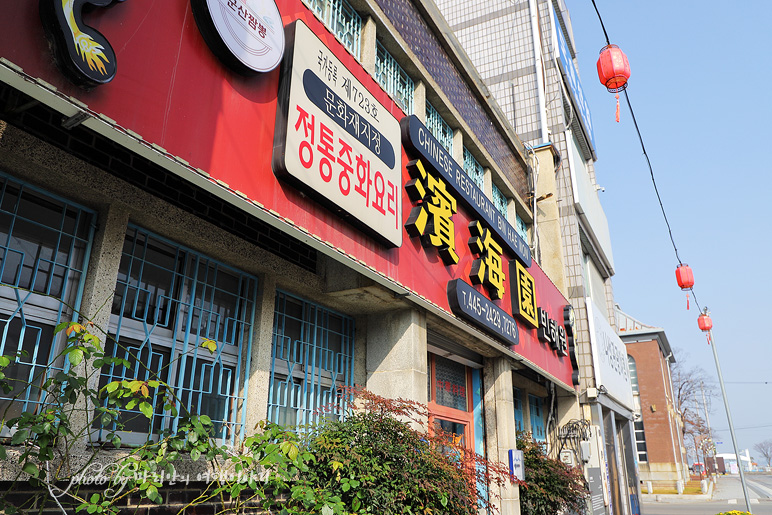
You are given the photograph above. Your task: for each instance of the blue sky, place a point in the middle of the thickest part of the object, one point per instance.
(700, 74)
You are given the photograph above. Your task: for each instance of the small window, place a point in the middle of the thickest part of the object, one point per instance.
(439, 128)
(44, 244)
(313, 354)
(521, 228)
(500, 201)
(474, 169)
(633, 373)
(640, 441)
(392, 78)
(342, 20)
(168, 300)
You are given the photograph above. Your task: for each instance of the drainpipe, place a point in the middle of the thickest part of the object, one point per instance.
(539, 65)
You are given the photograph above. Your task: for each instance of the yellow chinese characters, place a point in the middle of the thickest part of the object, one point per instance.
(524, 302)
(488, 269)
(432, 218)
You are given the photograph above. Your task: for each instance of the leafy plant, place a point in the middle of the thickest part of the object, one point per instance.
(377, 462)
(550, 486)
(265, 464)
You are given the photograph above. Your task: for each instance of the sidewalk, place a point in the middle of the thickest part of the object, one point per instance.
(679, 497)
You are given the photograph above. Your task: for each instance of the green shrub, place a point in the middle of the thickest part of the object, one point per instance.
(377, 463)
(550, 486)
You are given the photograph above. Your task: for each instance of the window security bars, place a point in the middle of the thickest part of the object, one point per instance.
(168, 301)
(499, 201)
(521, 228)
(342, 20)
(313, 354)
(439, 128)
(392, 78)
(44, 248)
(474, 169)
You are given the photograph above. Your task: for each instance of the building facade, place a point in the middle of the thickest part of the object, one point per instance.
(525, 53)
(321, 188)
(659, 439)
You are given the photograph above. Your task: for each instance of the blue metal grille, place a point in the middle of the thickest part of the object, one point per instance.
(168, 301)
(342, 20)
(313, 354)
(474, 169)
(521, 228)
(44, 248)
(439, 128)
(392, 78)
(499, 201)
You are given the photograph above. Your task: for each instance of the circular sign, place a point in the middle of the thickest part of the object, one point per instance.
(246, 35)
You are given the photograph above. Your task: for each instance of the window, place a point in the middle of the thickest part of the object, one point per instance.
(536, 413)
(313, 354)
(44, 245)
(521, 228)
(640, 441)
(342, 20)
(474, 169)
(451, 400)
(168, 301)
(392, 78)
(517, 396)
(439, 128)
(500, 201)
(633, 373)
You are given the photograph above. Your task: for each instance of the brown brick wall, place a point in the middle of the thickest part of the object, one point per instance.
(654, 391)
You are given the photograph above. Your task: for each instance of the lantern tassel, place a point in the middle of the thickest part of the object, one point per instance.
(687, 301)
(707, 335)
(617, 95)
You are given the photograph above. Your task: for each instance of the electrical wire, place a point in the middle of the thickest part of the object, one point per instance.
(648, 162)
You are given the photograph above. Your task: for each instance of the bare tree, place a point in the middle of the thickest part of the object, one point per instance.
(689, 383)
(765, 449)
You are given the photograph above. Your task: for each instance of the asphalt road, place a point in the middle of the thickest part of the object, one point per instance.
(728, 495)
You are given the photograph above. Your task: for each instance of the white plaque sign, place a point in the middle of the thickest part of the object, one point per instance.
(335, 141)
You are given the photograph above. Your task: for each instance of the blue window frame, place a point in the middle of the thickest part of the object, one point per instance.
(536, 413)
(393, 79)
(168, 301)
(474, 169)
(342, 20)
(439, 128)
(313, 354)
(517, 397)
(44, 248)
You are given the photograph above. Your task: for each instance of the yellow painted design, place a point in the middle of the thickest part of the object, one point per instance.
(525, 306)
(432, 218)
(89, 50)
(488, 269)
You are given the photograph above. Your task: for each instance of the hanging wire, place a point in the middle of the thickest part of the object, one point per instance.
(648, 162)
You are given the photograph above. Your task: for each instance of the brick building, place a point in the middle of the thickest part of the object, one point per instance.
(659, 441)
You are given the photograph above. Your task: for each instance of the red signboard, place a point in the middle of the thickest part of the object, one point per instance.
(173, 91)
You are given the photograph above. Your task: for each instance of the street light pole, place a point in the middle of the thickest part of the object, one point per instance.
(729, 418)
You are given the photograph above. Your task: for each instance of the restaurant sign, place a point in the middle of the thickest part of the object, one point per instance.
(335, 141)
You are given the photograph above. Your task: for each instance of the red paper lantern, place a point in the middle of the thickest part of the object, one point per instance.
(705, 323)
(613, 68)
(684, 276)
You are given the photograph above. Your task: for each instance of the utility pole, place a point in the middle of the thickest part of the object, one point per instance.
(707, 421)
(729, 417)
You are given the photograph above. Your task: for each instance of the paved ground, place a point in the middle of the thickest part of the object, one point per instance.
(728, 495)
